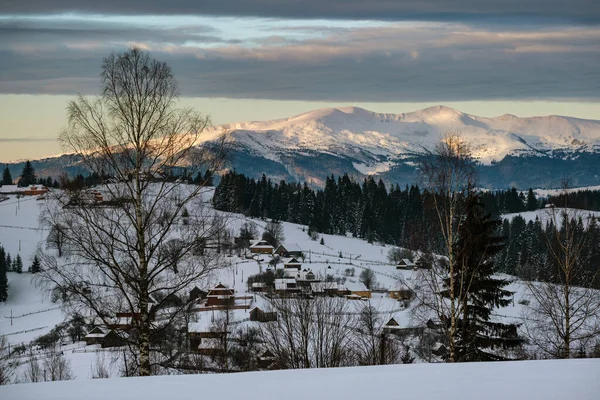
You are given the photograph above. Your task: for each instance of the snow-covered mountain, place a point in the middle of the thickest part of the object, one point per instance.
(524, 152)
(359, 141)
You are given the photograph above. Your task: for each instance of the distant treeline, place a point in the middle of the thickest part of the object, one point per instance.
(581, 199)
(368, 209)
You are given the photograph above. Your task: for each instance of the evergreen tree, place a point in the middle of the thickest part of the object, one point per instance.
(476, 247)
(18, 264)
(8, 262)
(3, 277)
(7, 177)
(35, 266)
(28, 175)
(532, 203)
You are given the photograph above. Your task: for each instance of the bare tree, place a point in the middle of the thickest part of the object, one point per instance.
(273, 233)
(368, 278)
(449, 175)
(563, 315)
(33, 372)
(134, 243)
(7, 364)
(57, 367)
(310, 333)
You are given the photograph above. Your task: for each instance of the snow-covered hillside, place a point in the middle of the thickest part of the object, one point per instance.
(373, 138)
(521, 380)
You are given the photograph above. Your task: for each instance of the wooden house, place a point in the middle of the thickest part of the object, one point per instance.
(405, 263)
(289, 250)
(220, 295)
(259, 287)
(356, 289)
(292, 264)
(261, 247)
(256, 314)
(392, 326)
(197, 294)
(105, 338)
(286, 286)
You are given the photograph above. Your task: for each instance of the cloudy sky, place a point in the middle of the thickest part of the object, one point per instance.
(259, 59)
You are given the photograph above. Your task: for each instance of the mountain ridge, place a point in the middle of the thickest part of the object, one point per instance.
(312, 145)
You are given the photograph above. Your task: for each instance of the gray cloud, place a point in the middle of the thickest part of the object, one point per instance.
(384, 62)
(583, 11)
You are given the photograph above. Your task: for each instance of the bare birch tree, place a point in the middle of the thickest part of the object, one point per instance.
(119, 253)
(448, 174)
(564, 313)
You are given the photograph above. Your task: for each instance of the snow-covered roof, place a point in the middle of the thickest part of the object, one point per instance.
(355, 286)
(261, 244)
(290, 247)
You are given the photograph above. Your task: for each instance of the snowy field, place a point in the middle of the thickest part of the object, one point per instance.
(521, 380)
(553, 214)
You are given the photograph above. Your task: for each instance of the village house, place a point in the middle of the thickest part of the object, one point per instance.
(405, 263)
(261, 247)
(286, 286)
(289, 250)
(355, 289)
(324, 288)
(104, 337)
(220, 295)
(197, 294)
(292, 263)
(392, 326)
(256, 314)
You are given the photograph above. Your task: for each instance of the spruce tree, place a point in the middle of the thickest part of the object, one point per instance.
(7, 177)
(3, 277)
(8, 262)
(35, 266)
(532, 203)
(476, 248)
(18, 264)
(28, 175)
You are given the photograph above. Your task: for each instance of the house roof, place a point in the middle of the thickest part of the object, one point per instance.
(406, 261)
(291, 260)
(289, 247)
(355, 286)
(261, 244)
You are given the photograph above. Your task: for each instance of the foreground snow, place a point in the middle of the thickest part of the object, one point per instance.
(557, 379)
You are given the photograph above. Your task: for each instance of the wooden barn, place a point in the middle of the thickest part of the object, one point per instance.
(261, 247)
(105, 338)
(289, 250)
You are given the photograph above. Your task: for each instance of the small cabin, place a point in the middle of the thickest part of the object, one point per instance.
(289, 250)
(105, 338)
(286, 286)
(355, 289)
(261, 247)
(197, 294)
(392, 326)
(256, 314)
(405, 263)
(220, 295)
(292, 263)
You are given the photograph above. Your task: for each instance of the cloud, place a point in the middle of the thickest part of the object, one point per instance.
(579, 11)
(301, 60)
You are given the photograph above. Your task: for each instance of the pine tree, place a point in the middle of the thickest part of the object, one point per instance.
(477, 245)
(35, 266)
(8, 262)
(7, 177)
(28, 175)
(3, 277)
(532, 203)
(18, 264)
